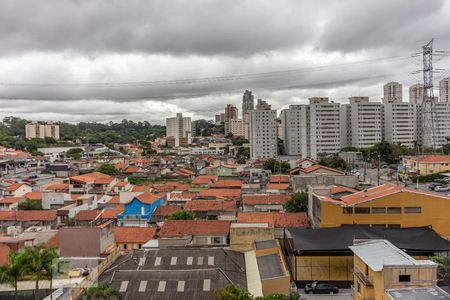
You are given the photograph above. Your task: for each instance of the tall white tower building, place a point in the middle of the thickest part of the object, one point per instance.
(416, 94)
(179, 128)
(392, 92)
(400, 123)
(263, 131)
(444, 90)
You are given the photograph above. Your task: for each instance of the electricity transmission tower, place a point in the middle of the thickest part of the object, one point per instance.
(428, 105)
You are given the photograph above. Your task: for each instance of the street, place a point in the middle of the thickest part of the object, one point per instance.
(344, 294)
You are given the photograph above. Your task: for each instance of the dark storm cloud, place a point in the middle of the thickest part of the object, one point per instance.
(65, 42)
(157, 26)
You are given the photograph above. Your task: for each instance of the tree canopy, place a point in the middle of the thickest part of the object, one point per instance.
(333, 161)
(182, 215)
(276, 166)
(108, 169)
(298, 202)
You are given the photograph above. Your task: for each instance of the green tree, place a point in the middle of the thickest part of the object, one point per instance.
(108, 169)
(333, 161)
(298, 202)
(276, 166)
(182, 215)
(12, 272)
(102, 292)
(35, 265)
(28, 204)
(74, 153)
(443, 267)
(446, 149)
(232, 292)
(50, 262)
(239, 141)
(242, 154)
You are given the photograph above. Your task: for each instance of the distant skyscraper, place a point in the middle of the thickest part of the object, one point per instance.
(41, 130)
(416, 94)
(444, 90)
(392, 92)
(231, 112)
(247, 102)
(179, 129)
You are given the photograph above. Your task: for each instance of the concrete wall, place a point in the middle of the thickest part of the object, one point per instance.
(80, 241)
(300, 182)
(242, 238)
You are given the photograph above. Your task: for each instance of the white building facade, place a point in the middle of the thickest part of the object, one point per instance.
(180, 129)
(263, 131)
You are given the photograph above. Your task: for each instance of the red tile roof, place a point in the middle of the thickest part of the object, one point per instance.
(204, 179)
(13, 187)
(227, 183)
(132, 169)
(147, 197)
(166, 210)
(137, 235)
(114, 200)
(265, 199)
(277, 219)
(142, 188)
(279, 179)
(341, 189)
(178, 228)
(57, 187)
(53, 242)
(220, 193)
(378, 192)
(11, 200)
(28, 215)
(433, 159)
(184, 172)
(210, 205)
(317, 167)
(122, 184)
(277, 186)
(37, 196)
(93, 177)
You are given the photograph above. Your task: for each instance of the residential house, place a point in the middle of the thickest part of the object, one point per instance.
(162, 213)
(94, 183)
(204, 180)
(17, 189)
(20, 220)
(180, 197)
(139, 210)
(383, 271)
(278, 188)
(264, 202)
(386, 205)
(122, 186)
(305, 163)
(10, 203)
(194, 233)
(86, 241)
(316, 170)
(427, 164)
(130, 238)
(227, 184)
(217, 194)
(223, 170)
(212, 209)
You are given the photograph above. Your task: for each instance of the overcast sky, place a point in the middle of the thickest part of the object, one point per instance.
(146, 60)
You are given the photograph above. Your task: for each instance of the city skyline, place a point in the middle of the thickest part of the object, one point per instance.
(65, 45)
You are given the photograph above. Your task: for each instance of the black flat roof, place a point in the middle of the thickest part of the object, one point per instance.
(419, 239)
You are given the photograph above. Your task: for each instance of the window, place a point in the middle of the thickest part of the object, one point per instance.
(394, 210)
(404, 278)
(347, 210)
(378, 210)
(216, 240)
(125, 246)
(359, 288)
(362, 210)
(413, 210)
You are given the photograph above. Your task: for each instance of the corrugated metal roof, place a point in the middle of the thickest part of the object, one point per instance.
(379, 253)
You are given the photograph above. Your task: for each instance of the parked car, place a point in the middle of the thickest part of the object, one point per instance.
(432, 186)
(320, 287)
(442, 188)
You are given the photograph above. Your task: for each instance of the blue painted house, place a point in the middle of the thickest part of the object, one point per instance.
(140, 209)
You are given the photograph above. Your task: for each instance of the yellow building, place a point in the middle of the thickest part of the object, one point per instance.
(427, 164)
(382, 272)
(383, 206)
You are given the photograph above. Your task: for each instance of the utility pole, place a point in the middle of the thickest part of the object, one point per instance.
(378, 170)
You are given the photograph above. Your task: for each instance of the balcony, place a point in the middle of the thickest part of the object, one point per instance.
(366, 280)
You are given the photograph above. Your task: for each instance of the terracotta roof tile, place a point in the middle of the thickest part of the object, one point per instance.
(57, 187)
(178, 228)
(277, 219)
(227, 183)
(166, 210)
(142, 188)
(433, 159)
(279, 179)
(317, 167)
(265, 199)
(277, 186)
(210, 205)
(13, 187)
(28, 215)
(11, 200)
(37, 196)
(147, 198)
(138, 235)
(204, 179)
(220, 193)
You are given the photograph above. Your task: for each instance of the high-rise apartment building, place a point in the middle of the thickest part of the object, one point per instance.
(179, 129)
(392, 92)
(263, 131)
(444, 90)
(324, 127)
(220, 118)
(247, 102)
(231, 113)
(41, 130)
(362, 122)
(400, 123)
(416, 94)
(441, 125)
(294, 129)
(236, 127)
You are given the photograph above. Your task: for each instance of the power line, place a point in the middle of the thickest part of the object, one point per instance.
(246, 76)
